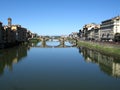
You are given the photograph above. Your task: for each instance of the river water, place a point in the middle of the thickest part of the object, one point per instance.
(54, 67)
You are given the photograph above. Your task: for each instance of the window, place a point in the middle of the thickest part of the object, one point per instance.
(103, 35)
(108, 35)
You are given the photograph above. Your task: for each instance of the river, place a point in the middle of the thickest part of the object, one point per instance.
(54, 67)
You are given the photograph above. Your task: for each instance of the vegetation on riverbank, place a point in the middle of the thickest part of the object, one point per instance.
(108, 49)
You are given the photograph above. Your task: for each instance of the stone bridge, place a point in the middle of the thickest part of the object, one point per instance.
(61, 40)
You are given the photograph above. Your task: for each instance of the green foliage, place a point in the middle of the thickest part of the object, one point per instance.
(103, 48)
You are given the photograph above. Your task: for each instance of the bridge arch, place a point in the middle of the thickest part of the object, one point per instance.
(61, 42)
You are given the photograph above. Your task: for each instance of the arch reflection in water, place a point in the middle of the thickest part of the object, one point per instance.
(108, 64)
(11, 56)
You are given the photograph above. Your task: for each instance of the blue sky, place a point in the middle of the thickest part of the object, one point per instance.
(57, 17)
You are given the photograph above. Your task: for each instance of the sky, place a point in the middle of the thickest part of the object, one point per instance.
(57, 17)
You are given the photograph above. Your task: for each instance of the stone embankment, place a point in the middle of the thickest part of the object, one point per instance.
(110, 48)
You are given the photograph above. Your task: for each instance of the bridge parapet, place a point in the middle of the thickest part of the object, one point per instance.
(44, 38)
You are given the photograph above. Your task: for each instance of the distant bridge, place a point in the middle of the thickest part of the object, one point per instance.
(62, 41)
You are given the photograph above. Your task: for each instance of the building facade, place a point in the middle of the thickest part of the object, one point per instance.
(13, 34)
(74, 35)
(1, 33)
(18, 33)
(109, 28)
(89, 32)
(93, 33)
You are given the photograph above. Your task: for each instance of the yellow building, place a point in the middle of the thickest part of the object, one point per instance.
(21, 33)
(16, 29)
(15, 33)
(9, 35)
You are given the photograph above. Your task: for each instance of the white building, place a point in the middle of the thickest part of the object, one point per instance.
(109, 28)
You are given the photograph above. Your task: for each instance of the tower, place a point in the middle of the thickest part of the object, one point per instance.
(9, 21)
(0, 25)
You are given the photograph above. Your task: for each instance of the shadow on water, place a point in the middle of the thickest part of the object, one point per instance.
(107, 64)
(11, 56)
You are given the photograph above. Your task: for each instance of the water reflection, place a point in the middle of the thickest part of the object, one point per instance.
(53, 43)
(57, 69)
(109, 65)
(11, 56)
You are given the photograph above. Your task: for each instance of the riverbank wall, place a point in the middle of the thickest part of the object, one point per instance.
(102, 47)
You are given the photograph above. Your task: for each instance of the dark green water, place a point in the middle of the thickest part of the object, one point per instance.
(57, 68)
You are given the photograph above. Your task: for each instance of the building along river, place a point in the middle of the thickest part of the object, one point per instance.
(55, 67)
